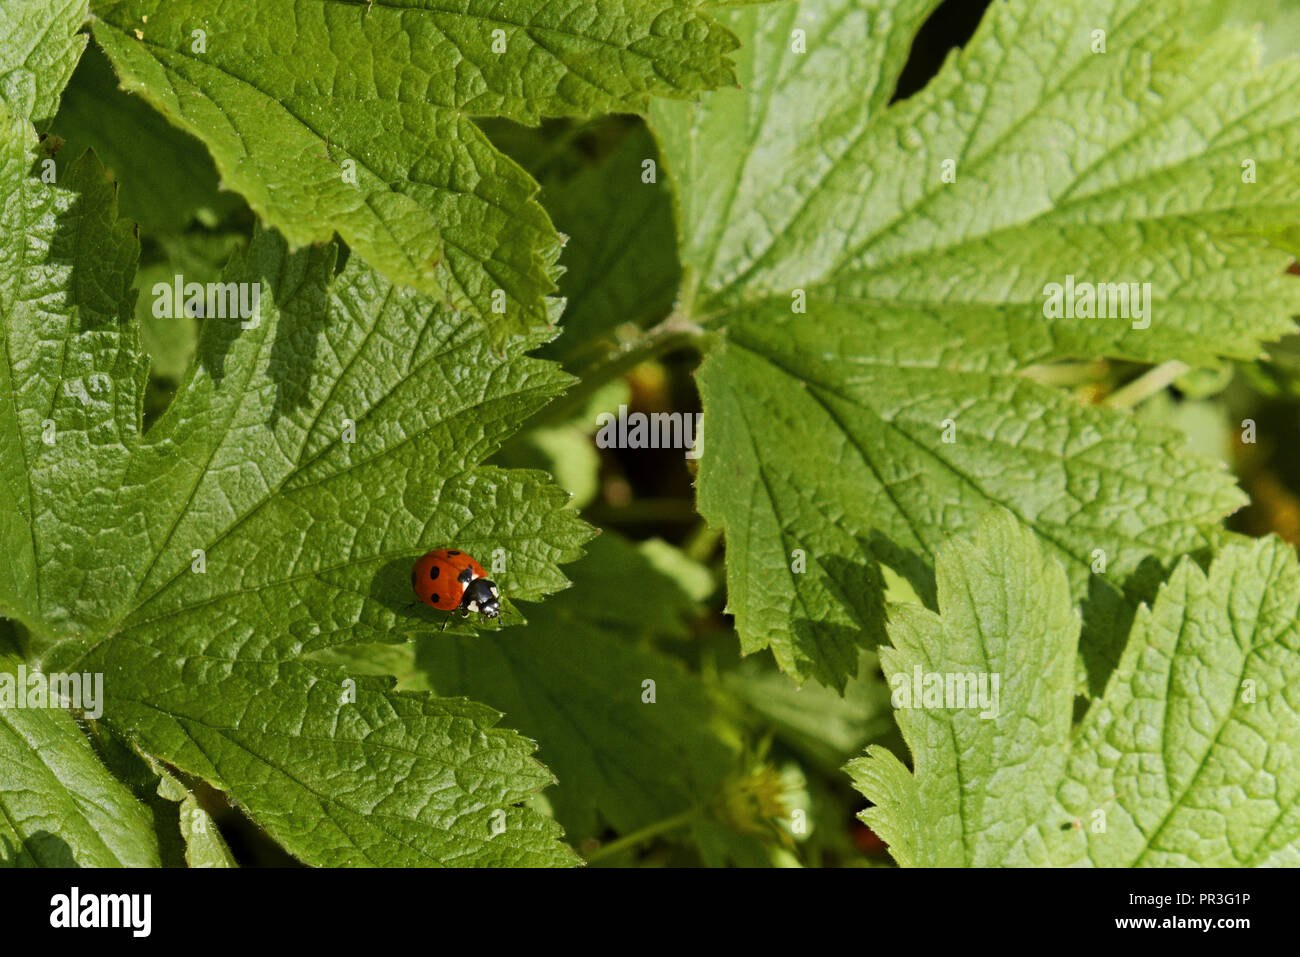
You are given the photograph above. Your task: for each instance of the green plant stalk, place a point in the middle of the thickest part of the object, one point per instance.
(674, 332)
(646, 833)
(1146, 385)
(703, 542)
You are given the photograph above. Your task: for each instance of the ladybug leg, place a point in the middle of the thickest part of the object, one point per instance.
(445, 621)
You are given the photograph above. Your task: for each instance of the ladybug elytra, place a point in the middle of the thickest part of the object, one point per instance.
(448, 580)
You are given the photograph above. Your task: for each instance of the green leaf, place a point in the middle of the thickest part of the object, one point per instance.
(165, 177)
(204, 845)
(59, 806)
(816, 721)
(894, 411)
(566, 452)
(39, 48)
(71, 374)
(196, 565)
(186, 833)
(621, 255)
(198, 257)
(294, 98)
(1188, 758)
(574, 681)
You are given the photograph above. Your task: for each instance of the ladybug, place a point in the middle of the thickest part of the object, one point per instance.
(448, 579)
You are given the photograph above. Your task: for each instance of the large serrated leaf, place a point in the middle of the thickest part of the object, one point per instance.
(59, 806)
(355, 118)
(1188, 759)
(573, 681)
(312, 453)
(880, 276)
(40, 44)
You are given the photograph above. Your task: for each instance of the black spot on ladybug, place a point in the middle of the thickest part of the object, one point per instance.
(453, 552)
(433, 572)
(466, 576)
(434, 599)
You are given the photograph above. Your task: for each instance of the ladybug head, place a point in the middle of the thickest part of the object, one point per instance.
(482, 596)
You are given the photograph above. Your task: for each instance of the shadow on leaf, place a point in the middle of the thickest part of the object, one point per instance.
(41, 849)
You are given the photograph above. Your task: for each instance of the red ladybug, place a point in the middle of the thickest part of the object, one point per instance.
(447, 579)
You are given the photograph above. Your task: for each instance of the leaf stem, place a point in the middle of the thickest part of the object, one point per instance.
(702, 542)
(644, 834)
(1068, 374)
(673, 332)
(1146, 385)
